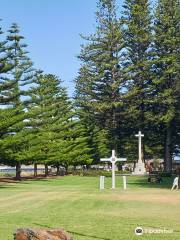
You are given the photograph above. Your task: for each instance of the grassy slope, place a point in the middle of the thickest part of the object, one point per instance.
(76, 204)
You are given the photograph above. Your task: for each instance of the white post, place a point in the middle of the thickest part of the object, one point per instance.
(140, 150)
(113, 160)
(113, 175)
(139, 135)
(113, 155)
(124, 182)
(102, 182)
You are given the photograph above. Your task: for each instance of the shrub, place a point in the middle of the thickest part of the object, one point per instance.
(94, 173)
(165, 174)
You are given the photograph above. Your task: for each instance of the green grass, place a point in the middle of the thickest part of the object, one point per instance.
(76, 204)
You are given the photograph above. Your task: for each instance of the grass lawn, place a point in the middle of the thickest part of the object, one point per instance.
(76, 204)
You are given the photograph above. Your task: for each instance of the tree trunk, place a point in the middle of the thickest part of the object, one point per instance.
(58, 169)
(143, 152)
(35, 169)
(114, 140)
(18, 170)
(142, 117)
(66, 169)
(167, 154)
(46, 169)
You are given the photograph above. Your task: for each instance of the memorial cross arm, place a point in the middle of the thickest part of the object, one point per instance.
(121, 160)
(139, 134)
(105, 159)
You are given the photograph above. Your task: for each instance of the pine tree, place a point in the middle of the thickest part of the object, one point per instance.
(22, 74)
(7, 114)
(137, 35)
(5, 67)
(177, 121)
(79, 143)
(47, 106)
(58, 138)
(98, 84)
(166, 71)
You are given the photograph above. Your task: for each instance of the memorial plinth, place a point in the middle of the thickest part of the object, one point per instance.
(140, 165)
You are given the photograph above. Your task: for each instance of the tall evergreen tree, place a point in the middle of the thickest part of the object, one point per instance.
(5, 87)
(79, 144)
(56, 137)
(47, 112)
(98, 84)
(165, 92)
(22, 74)
(137, 35)
(7, 113)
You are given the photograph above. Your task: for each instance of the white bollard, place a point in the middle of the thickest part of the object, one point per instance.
(101, 182)
(124, 182)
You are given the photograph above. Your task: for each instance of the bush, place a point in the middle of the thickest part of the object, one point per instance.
(4, 174)
(94, 173)
(162, 174)
(165, 174)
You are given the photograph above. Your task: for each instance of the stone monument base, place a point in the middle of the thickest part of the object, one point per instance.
(139, 169)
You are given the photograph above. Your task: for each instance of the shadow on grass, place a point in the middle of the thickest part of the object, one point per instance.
(143, 182)
(5, 186)
(26, 179)
(133, 181)
(75, 233)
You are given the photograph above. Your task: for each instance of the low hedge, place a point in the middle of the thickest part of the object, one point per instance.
(95, 173)
(162, 174)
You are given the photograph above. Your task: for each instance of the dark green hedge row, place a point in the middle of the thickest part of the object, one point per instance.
(95, 173)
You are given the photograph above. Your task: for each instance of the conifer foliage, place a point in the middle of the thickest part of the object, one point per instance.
(128, 81)
(99, 82)
(166, 74)
(137, 32)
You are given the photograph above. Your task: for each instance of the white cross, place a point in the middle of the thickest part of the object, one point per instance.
(139, 135)
(113, 159)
